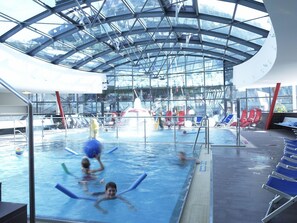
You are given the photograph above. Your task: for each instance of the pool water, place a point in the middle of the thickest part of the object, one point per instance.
(158, 198)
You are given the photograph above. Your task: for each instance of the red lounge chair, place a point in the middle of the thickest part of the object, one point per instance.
(258, 117)
(168, 118)
(243, 118)
(181, 119)
(250, 119)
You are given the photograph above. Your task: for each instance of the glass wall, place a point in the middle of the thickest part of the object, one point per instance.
(206, 90)
(262, 98)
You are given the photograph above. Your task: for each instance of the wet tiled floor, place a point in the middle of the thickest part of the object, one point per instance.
(238, 175)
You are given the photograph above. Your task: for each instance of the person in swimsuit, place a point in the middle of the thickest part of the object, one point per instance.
(183, 158)
(88, 172)
(109, 194)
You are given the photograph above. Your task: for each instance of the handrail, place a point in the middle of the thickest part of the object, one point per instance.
(18, 131)
(31, 147)
(196, 139)
(206, 133)
(204, 121)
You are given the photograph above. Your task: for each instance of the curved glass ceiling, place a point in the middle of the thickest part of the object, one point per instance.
(148, 35)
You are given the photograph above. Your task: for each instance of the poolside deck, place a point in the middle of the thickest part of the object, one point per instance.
(198, 205)
(238, 174)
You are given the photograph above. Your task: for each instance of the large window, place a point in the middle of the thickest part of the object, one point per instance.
(262, 98)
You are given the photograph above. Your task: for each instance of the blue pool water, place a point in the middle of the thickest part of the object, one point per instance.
(157, 199)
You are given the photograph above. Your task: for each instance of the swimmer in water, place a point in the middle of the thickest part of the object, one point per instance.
(183, 158)
(88, 172)
(109, 194)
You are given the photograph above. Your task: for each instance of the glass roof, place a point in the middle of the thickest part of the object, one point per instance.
(148, 36)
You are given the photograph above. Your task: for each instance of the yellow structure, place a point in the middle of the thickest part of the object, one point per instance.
(94, 128)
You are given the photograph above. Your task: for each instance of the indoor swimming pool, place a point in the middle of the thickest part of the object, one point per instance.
(158, 198)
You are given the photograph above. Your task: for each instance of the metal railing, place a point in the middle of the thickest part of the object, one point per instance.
(142, 124)
(21, 133)
(31, 148)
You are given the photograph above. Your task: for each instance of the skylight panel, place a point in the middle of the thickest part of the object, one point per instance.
(151, 5)
(224, 29)
(20, 10)
(123, 60)
(188, 22)
(152, 22)
(240, 47)
(124, 25)
(26, 40)
(209, 25)
(97, 5)
(164, 23)
(100, 30)
(243, 34)
(137, 25)
(49, 24)
(78, 38)
(264, 23)
(161, 35)
(212, 39)
(53, 51)
(73, 59)
(259, 41)
(95, 49)
(136, 5)
(91, 65)
(114, 8)
(6, 25)
(109, 56)
(140, 37)
(216, 50)
(244, 13)
(217, 8)
(237, 56)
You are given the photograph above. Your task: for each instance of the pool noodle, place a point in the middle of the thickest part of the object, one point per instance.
(112, 150)
(67, 192)
(71, 151)
(66, 170)
(135, 184)
(72, 195)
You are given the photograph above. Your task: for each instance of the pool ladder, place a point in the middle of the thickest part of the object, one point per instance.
(204, 121)
(22, 134)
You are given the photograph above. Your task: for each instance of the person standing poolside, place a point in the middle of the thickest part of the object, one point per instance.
(160, 120)
(94, 128)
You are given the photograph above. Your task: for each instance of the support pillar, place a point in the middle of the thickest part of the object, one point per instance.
(268, 121)
(61, 109)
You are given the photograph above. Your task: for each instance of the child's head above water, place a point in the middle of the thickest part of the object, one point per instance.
(110, 190)
(182, 155)
(85, 163)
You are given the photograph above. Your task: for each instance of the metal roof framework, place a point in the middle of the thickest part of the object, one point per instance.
(148, 35)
